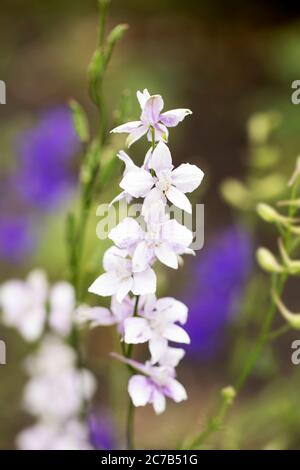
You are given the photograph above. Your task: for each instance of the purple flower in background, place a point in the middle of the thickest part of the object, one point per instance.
(46, 153)
(220, 275)
(101, 429)
(16, 238)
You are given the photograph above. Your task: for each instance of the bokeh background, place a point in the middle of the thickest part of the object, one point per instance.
(233, 64)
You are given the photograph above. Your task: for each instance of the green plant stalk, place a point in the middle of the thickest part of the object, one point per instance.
(278, 281)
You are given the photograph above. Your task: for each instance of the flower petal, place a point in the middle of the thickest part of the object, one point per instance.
(175, 390)
(161, 158)
(177, 235)
(128, 127)
(95, 315)
(171, 357)
(141, 257)
(136, 135)
(152, 109)
(136, 330)
(105, 285)
(157, 347)
(127, 233)
(172, 310)
(159, 401)
(113, 257)
(137, 182)
(187, 177)
(126, 159)
(140, 390)
(174, 116)
(123, 289)
(177, 334)
(166, 255)
(144, 282)
(153, 197)
(142, 97)
(179, 199)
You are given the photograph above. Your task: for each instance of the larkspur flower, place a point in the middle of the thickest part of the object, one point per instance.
(168, 182)
(152, 118)
(153, 385)
(220, 276)
(17, 238)
(164, 238)
(24, 305)
(120, 277)
(101, 430)
(157, 324)
(46, 435)
(56, 389)
(46, 151)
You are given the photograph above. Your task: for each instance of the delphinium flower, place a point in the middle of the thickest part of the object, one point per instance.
(101, 430)
(220, 276)
(46, 153)
(17, 238)
(152, 120)
(24, 305)
(55, 395)
(130, 264)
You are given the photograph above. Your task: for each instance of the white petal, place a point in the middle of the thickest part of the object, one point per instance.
(172, 310)
(157, 347)
(175, 390)
(158, 401)
(136, 135)
(137, 182)
(143, 97)
(140, 390)
(177, 235)
(174, 116)
(32, 324)
(179, 199)
(136, 330)
(166, 255)
(144, 282)
(95, 315)
(152, 109)
(113, 257)
(154, 196)
(119, 197)
(105, 285)
(147, 159)
(123, 289)
(126, 159)
(141, 257)
(171, 357)
(161, 158)
(128, 127)
(127, 233)
(187, 177)
(177, 334)
(62, 296)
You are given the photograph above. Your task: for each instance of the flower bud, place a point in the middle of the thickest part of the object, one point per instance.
(267, 261)
(269, 214)
(236, 194)
(293, 319)
(229, 394)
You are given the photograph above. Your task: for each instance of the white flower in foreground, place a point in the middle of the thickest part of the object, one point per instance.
(56, 389)
(155, 385)
(158, 325)
(49, 436)
(168, 183)
(23, 304)
(120, 277)
(152, 118)
(165, 239)
(101, 316)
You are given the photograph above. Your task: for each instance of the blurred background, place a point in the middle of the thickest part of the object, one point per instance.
(233, 64)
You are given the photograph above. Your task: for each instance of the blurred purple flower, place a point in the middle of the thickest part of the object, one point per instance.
(46, 154)
(102, 435)
(16, 238)
(220, 275)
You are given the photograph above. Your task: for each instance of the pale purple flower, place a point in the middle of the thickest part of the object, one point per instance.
(153, 385)
(152, 118)
(164, 239)
(16, 237)
(120, 277)
(157, 324)
(168, 182)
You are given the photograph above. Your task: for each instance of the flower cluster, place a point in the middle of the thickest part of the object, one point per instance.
(57, 389)
(129, 275)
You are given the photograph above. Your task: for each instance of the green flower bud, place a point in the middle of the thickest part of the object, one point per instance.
(80, 121)
(293, 319)
(267, 261)
(269, 214)
(236, 194)
(260, 126)
(229, 394)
